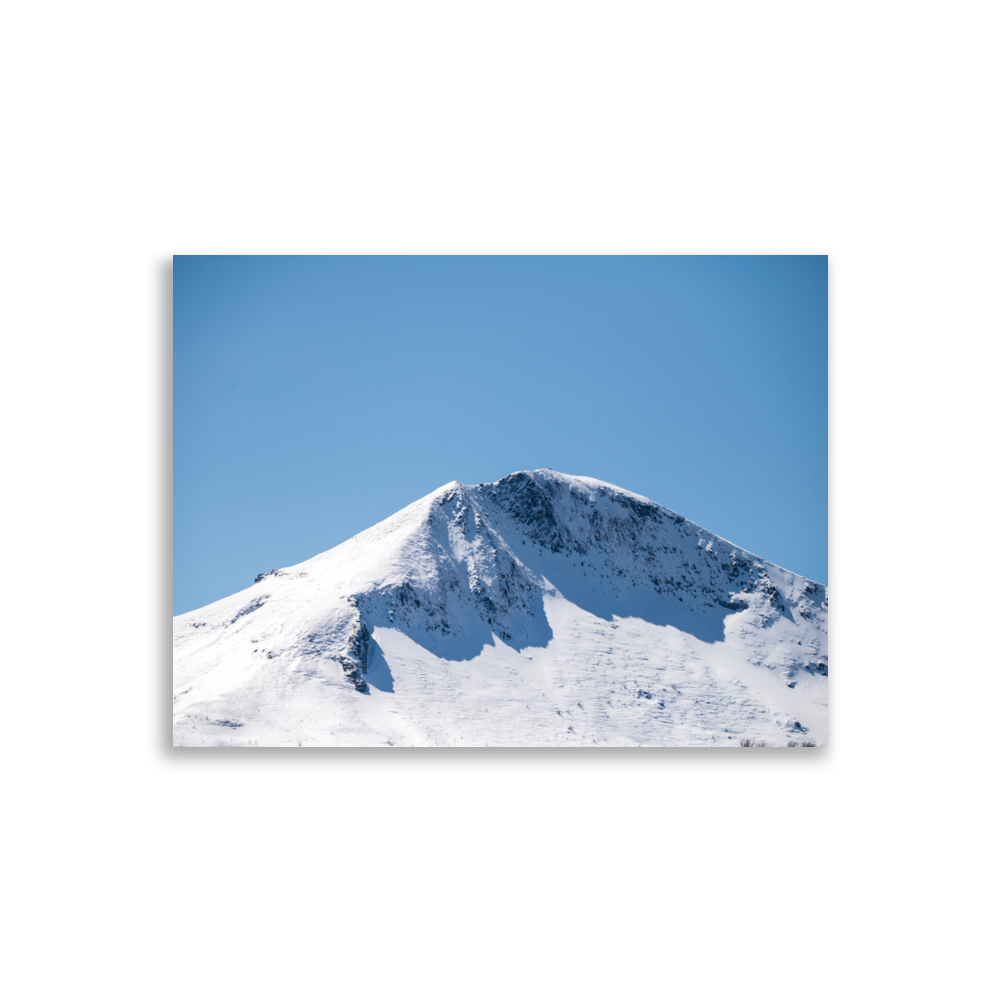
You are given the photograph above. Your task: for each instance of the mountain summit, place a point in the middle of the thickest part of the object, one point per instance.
(539, 610)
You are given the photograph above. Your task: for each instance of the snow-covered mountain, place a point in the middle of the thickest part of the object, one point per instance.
(539, 610)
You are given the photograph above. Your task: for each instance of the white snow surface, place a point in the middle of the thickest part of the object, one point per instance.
(539, 610)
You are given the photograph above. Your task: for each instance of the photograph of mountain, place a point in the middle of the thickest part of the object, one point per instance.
(325, 398)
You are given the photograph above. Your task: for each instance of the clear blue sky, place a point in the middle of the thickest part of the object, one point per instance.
(314, 396)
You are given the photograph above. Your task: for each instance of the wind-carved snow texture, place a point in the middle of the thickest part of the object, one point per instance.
(540, 610)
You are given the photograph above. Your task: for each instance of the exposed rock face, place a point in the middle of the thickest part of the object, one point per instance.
(340, 637)
(354, 659)
(473, 584)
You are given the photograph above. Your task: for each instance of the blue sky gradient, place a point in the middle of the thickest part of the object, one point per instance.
(315, 396)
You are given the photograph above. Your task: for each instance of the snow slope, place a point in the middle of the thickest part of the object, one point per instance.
(540, 610)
